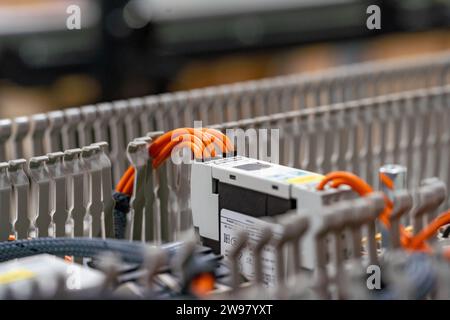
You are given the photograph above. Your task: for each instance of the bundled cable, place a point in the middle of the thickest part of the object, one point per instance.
(132, 252)
(204, 143)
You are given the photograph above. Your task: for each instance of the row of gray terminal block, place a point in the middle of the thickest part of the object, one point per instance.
(242, 104)
(343, 261)
(61, 194)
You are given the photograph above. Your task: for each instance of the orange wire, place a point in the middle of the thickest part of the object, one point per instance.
(203, 143)
(446, 253)
(128, 189)
(206, 148)
(203, 284)
(167, 150)
(338, 178)
(430, 230)
(353, 180)
(386, 181)
(159, 143)
(360, 186)
(197, 151)
(223, 138)
(126, 183)
(123, 181)
(362, 190)
(208, 145)
(337, 182)
(211, 135)
(354, 185)
(212, 144)
(196, 140)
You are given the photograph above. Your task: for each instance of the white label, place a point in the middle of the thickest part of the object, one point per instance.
(270, 171)
(231, 223)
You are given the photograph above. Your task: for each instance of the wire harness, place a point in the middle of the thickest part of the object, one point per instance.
(409, 242)
(203, 142)
(132, 252)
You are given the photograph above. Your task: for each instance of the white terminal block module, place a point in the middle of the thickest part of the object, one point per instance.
(47, 273)
(241, 191)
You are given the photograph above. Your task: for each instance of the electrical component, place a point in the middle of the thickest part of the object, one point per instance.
(228, 194)
(43, 275)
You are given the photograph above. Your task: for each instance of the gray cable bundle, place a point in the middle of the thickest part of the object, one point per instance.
(132, 252)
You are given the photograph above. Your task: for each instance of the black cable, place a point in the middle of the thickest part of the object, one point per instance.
(132, 252)
(121, 209)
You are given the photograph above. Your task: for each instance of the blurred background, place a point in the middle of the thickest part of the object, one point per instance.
(128, 48)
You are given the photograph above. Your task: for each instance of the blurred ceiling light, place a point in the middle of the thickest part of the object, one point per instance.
(169, 10)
